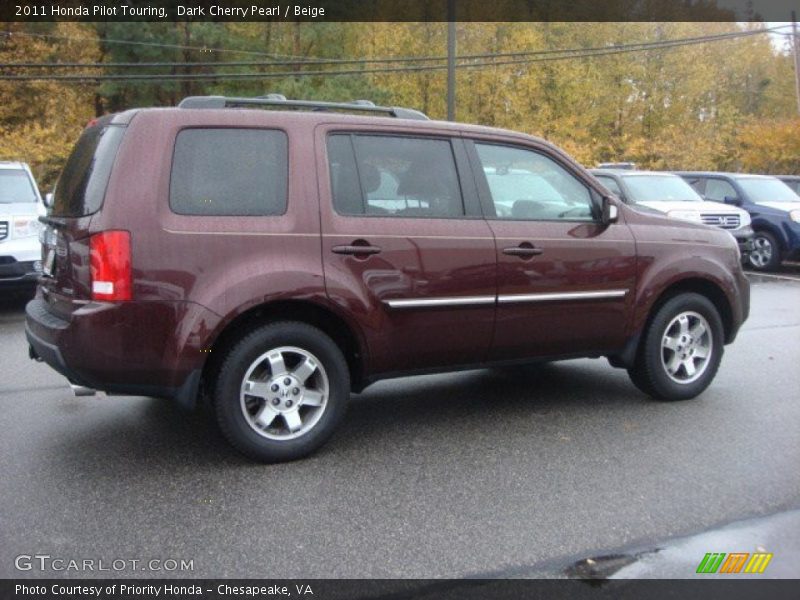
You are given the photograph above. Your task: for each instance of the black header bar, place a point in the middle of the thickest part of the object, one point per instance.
(396, 10)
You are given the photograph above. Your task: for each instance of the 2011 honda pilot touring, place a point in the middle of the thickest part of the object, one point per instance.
(274, 260)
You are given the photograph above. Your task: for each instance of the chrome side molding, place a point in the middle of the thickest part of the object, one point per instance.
(503, 299)
(600, 295)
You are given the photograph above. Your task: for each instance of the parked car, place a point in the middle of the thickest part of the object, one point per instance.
(20, 207)
(774, 209)
(793, 181)
(617, 165)
(275, 260)
(671, 195)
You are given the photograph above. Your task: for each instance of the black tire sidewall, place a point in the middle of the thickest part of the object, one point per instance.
(228, 383)
(656, 380)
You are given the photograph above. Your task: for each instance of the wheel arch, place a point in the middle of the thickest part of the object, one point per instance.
(322, 317)
(703, 287)
(707, 288)
(767, 226)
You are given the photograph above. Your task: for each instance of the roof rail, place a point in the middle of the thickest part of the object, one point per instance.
(277, 100)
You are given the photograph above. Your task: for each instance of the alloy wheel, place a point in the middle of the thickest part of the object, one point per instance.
(686, 347)
(284, 393)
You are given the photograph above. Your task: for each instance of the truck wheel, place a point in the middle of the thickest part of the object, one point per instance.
(681, 349)
(281, 391)
(766, 252)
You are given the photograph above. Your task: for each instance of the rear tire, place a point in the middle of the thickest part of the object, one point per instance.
(681, 349)
(766, 252)
(281, 391)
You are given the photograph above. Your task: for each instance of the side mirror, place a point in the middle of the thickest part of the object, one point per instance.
(48, 199)
(732, 200)
(610, 211)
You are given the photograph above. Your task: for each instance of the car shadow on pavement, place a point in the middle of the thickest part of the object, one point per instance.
(157, 433)
(13, 303)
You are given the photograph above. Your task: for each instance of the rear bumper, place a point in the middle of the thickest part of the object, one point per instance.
(116, 348)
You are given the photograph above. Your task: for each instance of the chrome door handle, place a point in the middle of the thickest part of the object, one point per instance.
(355, 249)
(523, 251)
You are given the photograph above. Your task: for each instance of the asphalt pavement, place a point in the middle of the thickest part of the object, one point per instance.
(495, 472)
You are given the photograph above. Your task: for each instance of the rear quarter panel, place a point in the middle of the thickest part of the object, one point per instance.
(211, 268)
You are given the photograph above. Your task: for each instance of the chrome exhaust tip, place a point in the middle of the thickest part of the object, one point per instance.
(79, 390)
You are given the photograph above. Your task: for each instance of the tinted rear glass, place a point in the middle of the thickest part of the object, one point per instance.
(229, 172)
(394, 176)
(16, 186)
(82, 183)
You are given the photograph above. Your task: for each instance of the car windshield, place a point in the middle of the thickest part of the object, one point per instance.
(767, 189)
(659, 188)
(16, 186)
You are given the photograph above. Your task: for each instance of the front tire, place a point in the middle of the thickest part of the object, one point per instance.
(681, 349)
(766, 252)
(281, 391)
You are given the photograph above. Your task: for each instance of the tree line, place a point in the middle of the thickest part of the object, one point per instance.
(603, 91)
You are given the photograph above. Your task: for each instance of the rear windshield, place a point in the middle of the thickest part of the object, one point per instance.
(16, 186)
(82, 184)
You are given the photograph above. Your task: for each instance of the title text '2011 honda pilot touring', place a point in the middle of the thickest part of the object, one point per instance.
(275, 260)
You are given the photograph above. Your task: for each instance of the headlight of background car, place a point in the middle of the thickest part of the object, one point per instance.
(794, 215)
(745, 219)
(685, 215)
(26, 227)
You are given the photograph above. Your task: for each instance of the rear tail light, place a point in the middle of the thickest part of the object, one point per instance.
(110, 253)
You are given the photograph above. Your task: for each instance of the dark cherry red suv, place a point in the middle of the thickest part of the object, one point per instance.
(275, 260)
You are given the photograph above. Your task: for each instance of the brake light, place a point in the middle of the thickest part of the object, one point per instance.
(110, 256)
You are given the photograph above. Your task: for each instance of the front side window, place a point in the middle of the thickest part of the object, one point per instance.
(526, 185)
(393, 176)
(717, 190)
(229, 172)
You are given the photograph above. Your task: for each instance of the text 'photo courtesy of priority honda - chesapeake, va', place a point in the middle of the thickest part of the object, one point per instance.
(426, 300)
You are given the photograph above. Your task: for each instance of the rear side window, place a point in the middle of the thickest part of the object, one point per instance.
(83, 181)
(229, 172)
(394, 176)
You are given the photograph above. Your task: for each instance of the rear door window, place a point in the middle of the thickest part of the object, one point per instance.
(82, 184)
(394, 176)
(230, 172)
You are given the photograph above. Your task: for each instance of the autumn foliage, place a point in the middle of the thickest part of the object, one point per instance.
(722, 105)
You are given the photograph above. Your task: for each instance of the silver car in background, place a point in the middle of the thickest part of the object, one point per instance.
(20, 208)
